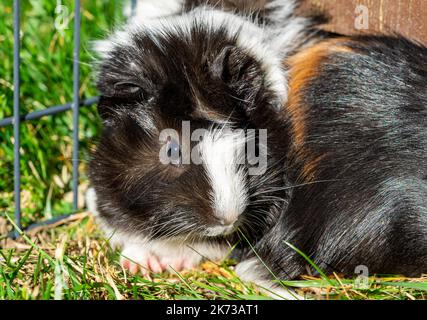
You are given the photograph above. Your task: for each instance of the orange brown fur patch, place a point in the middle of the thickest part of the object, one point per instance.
(310, 167)
(305, 66)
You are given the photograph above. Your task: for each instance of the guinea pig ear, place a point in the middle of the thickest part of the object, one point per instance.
(238, 69)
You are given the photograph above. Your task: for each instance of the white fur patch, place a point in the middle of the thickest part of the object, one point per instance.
(104, 47)
(218, 231)
(151, 9)
(222, 151)
(172, 253)
(280, 9)
(252, 270)
(91, 199)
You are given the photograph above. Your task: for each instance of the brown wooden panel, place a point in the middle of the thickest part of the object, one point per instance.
(408, 17)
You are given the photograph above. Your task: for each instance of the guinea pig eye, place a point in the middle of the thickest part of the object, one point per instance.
(128, 89)
(174, 152)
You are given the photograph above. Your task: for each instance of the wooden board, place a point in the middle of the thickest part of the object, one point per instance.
(408, 17)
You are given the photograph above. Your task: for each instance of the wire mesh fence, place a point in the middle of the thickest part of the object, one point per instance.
(74, 106)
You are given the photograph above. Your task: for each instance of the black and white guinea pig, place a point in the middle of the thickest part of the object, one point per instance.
(344, 176)
(210, 68)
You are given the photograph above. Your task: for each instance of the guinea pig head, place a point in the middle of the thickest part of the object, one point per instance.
(187, 111)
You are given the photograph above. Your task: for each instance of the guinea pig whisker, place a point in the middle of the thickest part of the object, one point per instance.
(175, 228)
(190, 234)
(267, 196)
(162, 226)
(291, 187)
(239, 99)
(225, 123)
(253, 224)
(254, 215)
(259, 210)
(269, 200)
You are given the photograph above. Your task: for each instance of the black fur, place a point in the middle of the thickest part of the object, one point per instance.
(365, 112)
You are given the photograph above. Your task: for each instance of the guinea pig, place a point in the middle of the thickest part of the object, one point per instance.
(182, 165)
(356, 164)
(336, 126)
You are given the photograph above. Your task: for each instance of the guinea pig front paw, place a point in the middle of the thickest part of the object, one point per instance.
(144, 264)
(146, 261)
(179, 263)
(252, 270)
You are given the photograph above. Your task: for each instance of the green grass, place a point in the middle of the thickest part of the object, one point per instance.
(74, 261)
(46, 80)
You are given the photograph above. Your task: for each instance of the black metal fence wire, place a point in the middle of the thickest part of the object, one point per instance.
(17, 118)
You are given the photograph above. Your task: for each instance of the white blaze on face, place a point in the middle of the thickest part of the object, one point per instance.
(152, 9)
(222, 151)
